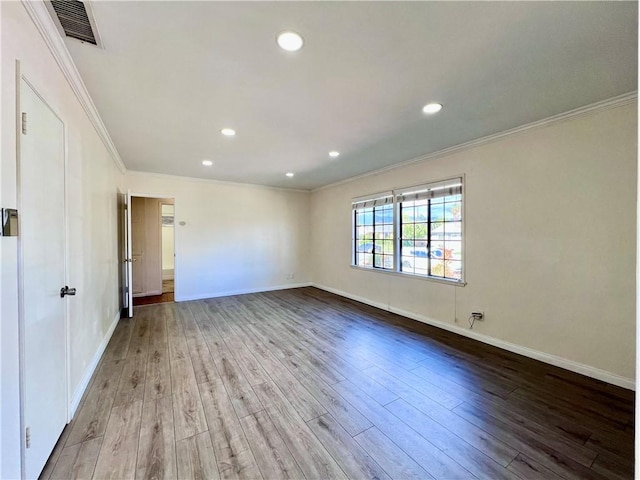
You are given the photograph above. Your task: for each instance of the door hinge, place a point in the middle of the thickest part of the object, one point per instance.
(24, 123)
(28, 437)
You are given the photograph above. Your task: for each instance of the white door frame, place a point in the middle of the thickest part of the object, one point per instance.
(175, 256)
(128, 280)
(21, 319)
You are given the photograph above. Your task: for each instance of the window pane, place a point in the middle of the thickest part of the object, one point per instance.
(437, 268)
(453, 250)
(364, 216)
(406, 246)
(408, 231)
(454, 269)
(420, 260)
(407, 213)
(383, 215)
(437, 231)
(437, 212)
(453, 211)
(406, 265)
(452, 230)
(453, 198)
(422, 213)
(384, 246)
(361, 231)
(421, 231)
(377, 261)
(368, 260)
(421, 271)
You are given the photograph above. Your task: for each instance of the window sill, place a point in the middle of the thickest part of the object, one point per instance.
(454, 283)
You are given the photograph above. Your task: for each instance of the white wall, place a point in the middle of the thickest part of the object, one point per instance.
(550, 242)
(236, 238)
(92, 183)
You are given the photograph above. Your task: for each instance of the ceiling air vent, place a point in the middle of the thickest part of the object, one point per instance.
(75, 19)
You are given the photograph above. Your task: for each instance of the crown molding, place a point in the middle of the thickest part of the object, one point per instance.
(41, 18)
(610, 103)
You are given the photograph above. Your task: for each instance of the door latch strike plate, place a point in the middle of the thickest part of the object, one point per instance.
(24, 123)
(28, 437)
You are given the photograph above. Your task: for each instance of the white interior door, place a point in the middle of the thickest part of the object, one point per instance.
(128, 256)
(42, 275)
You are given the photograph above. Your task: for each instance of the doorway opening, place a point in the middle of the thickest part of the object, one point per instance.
(152, 250)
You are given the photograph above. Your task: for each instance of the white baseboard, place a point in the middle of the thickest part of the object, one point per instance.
(593, 372)
(186, 298)
(91, 368)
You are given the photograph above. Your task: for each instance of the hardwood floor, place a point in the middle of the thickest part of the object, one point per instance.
(167, 295)
(305, 384)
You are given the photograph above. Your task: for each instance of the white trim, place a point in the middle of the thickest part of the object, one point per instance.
(187, 298)
(130, 242)
(215, 182)
(41, 18)
(610, 103)
(20, 272)
(589, 371)
(444, 281)
(91, 368)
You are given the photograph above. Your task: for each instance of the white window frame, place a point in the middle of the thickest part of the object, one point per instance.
(372, 201)
(396, 193)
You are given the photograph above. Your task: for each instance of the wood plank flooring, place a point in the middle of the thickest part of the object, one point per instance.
(166, 296)
(305, 384)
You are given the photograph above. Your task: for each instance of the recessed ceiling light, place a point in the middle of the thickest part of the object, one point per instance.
(289, 174)
(228, 132)
(290, 41)
(432, 108)
(334, 154)
(207, 163)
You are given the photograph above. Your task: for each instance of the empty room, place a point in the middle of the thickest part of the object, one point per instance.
(323, 239)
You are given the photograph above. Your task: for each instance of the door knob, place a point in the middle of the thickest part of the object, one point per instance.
(67, 291)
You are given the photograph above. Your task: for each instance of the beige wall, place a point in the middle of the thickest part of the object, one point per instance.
(550, 242)
(92, 185)
(235, 238)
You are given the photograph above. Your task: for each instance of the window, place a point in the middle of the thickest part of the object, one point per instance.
(431, 230)
(428, 222)
(373, 240)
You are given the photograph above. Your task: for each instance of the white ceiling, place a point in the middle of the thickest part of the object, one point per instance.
(172, 74)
